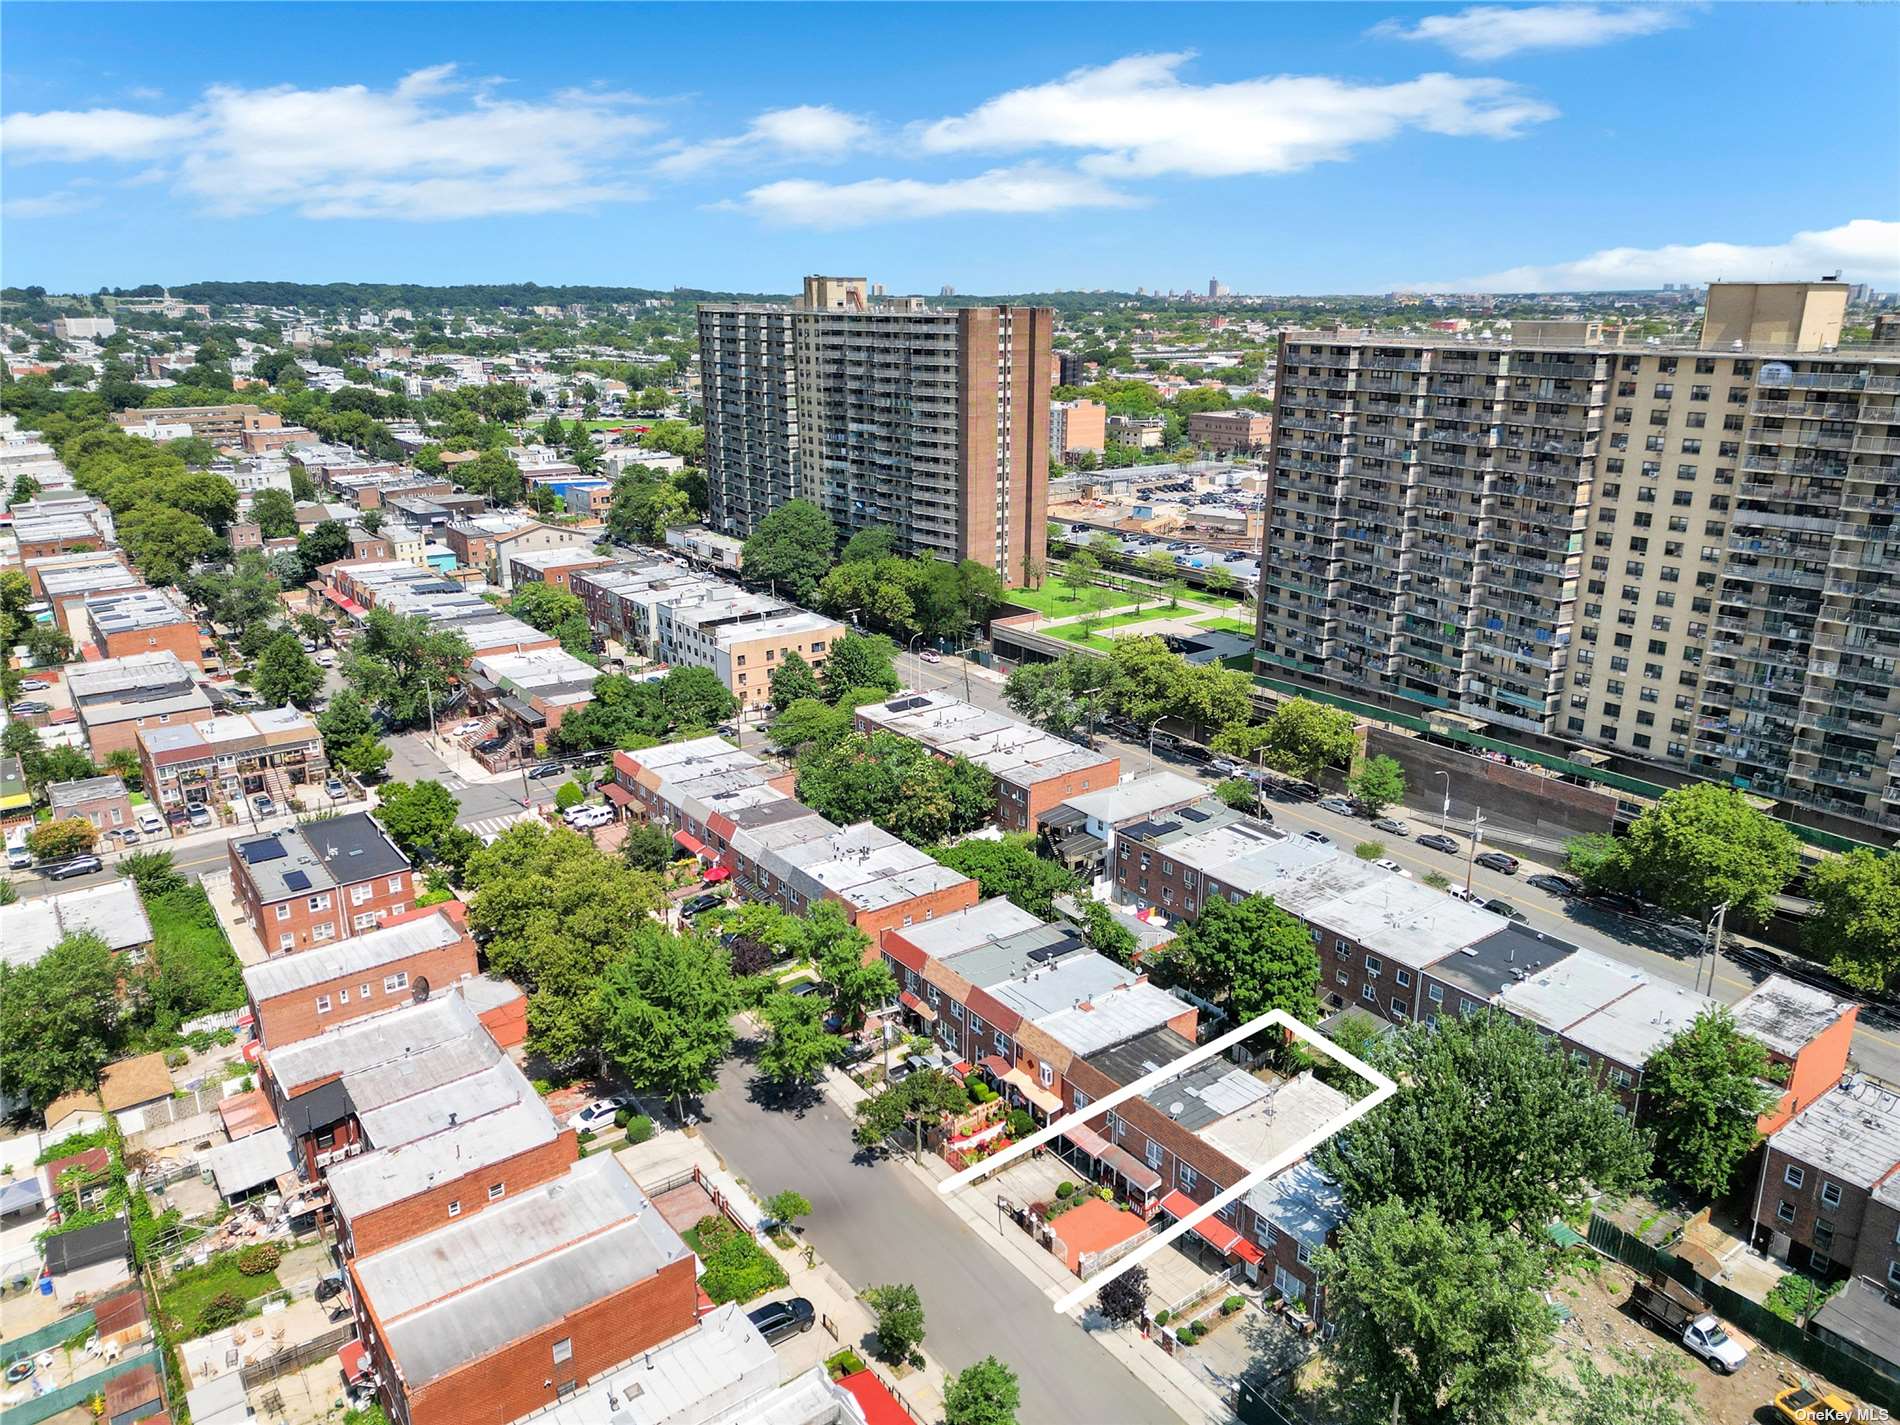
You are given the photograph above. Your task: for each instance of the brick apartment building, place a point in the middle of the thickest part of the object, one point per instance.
(1035, 771)
(116, 698)
(1827, 1195)
(1228, 431)
(221, 425)
(415, 953)
(230, 757)
(141, 621)
(554, 567)
(326, 881)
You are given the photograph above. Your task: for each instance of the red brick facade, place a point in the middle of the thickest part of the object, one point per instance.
(455, 1199)
(286, 1018)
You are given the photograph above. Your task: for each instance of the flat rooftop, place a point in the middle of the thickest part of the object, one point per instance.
(1008, 748)
(1265, 1128)
(1786, 1015)
(1139, 797)
(367, 1043)
(1572, 990)
(1852, 1132)
(360, 954)
(113, 911)
(1631, 1028)
(1485, 967)
(991, 920)
(133, 610)
(121, 677)
(385, 1176)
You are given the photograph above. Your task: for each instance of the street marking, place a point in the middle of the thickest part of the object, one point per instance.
(1383, 1088)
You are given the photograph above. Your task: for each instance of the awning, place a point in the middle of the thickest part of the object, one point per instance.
(617, 794)
(21, 1195)
(916, 1006)
(1088, 1140)
(1211, 1230)
(689, 842)
(1043, 1099)
(993, 1064)
(1130, 1167)
(354, 1359)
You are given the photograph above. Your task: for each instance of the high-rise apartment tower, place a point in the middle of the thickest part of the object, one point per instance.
(931, 421)
(1682, 557)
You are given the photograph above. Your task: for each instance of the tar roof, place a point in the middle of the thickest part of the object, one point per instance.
(1127, 1062)
(438, 1106)
(1863, 1314)
(462, 1291)
(1055, 984)
(377, 1179)
(695, 1379)
(1852, 1132)
(354, 848)
(1123, 1013)
(70, 794)
(1575, 987)
(369, 951)
(1787, 1016)
(1514, 952)
(1036, 951)
(1634, 1026)
(1302, 1202)
(134, 609)
(118, 676)
(991, 920)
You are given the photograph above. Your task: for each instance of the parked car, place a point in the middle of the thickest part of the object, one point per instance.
(1434, 841)
(1224, 767)
(1386, 863)
(1459, 893)
(1498, 861)
(463, 729)
(1318, 837)
(493, 744)
(930, 655)
(1391, 826)
(78, 866)
(199, 814)
(699, 905)
(33, 685)
(1556, 884)
(585, 818)
(1614, 901)
(781, 1320)
(263, 805)
(545, 769)
(1305, 791)
(1339, 806)
(1686, 1316)
(128, 835)
(600, 1113)
(1504, 908)
(150, 822)
(30, 707)
(334, 789)
(1798, 1405)
(326, 659)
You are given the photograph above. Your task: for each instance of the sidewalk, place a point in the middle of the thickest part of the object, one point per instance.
(1173, 1383)
(670, 1151)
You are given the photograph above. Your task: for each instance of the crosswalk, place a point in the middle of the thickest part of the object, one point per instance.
(489, 827)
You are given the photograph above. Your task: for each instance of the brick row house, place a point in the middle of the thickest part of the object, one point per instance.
(1827, 1193)
(229, 758)
(324, 881)
(117, 698)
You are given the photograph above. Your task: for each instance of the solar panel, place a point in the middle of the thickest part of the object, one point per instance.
(1191, 814)
(258, 852)
(296, 881)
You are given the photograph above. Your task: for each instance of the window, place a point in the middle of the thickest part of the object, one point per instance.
(1304, 1251)
(362, 990)
(323, 1004)
(1046, 1074)
(287, 941)
(325, 931)
(1402, 978)
(397, 981)
(455, 1208)
(1154, 1155)
(1187, 1176)
(1263, 1233)
(1399, 1008)
(283, 911)
(564, 1350)
(1793, 1176)
(1784, 1212)
(1831, 1194)
(321, 902)
(1002, 1044)
(359, 894)
(495, 1190)
(1374, 965)
(342, 997)
(1291, 1287)
(1369, 995)
(1435, 993)
(1620, 1078)
(395, 885)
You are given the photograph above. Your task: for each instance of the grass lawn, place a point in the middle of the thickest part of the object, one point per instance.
(1073, 631)
(1223, 624)
(184, 1298)
(1057, 600)
(185, 933)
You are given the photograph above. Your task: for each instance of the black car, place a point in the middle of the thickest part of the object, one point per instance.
(1433, 841)
(1557, 885)
(1498, 861)
(494, 744)
(78, 866)
(1615, 902)
(781, 1320)
(699, 905)
(1505, 909)
(546, 769)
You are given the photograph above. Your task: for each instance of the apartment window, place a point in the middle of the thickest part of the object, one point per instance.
(287, 941)
(455, 1208)
(1824, 1239)
(342, 997)
(325, 931)
(564, 1350)
(283, 911)
(1187, 1176)
(1435, 993)
(1046, 1074)
(1793, 1176)
(1002, 1044)
(1342, 977)
(495, 1190)
(1374, 966)
(935, 996)
(395, 885)
(1304, 1252)
(1154, 1155)
(359, 894)
(362, 990)
(397, 981)
(323, 1004)
(1369, 995)
(1398, 1008)
(321, 902)
(1263, 1233)
(1402, 978)
(1620, 1078)
(1831, 1194)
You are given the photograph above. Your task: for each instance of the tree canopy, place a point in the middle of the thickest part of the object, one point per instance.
(285, 675)
(1303, 738)
(59, 1019)
(666, 1013)
(859, 660)
(900, 785)
(1856, 924)
(1250, 957)
(1012, 869)
(1702, 1095)
(400, 664)
(1704, 844)
(791, 548)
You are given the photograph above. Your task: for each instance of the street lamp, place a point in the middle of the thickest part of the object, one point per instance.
(1471, 853)
(1712, 938)
(1444, 811)
(1151, 739)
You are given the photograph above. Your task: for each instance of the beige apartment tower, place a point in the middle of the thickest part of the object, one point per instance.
(1682, 557)
(932, 421)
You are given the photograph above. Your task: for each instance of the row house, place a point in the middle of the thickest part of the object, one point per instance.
(529, 693)
(230, 757)
(401, 962)
(116, 698)
(140, 621)
(1035, 771)
(622, 600)
(63, 523)
(1082, 831)
(553, 567)
(324, 881)
(67, 581)
(683, 786)
(114, 911)
(353, 588)
(1827, 1194)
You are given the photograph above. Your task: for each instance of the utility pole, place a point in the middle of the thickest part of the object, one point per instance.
(1444, 811)
(1471, 853)
(1712, 940)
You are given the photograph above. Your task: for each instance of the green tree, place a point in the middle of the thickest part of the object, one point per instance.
(694, 697)
(791, 548)
(874, 541)
(808, 725)
(1011, 868)
(1066, 696)
(243, 596)
(837, 947)
(1380, 784)
(1108, 936)
(556, 611)
(895, 782)
(59, 1019)
(1702, 1094)
(1702, 845)
(1546, 1115)
(1644, 1389)
(648, 848)
(900, 1319)
(344, 722)
(416, 815)
(1596, 860)
(401, 664)
(568, 796)
(923, 1098)
(366, 757)
(163, 542)
(324, 543)
(792, 680)
(982, 1394)
(667, 1011)
(152, 872)
(285, 675)
(123, 763)
(1080, 572)
(797, 1046)
(1252, 957)
(1856, 922)
(1447, 1316)
(1304, 738)
(274, 513)
(58, 840)
(787, 1206)
(860, 660)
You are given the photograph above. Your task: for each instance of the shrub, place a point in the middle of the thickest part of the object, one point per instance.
(1065, 1190)
(1020, 1124)
(585, 1136)
(568, 796)
(982, 1092)
(176, 1058)
(259, 1258)
(1369, 850)
(224, 1309)
(1163, 1317)
(737, 1268)
(1436, 880)
(639, 1128)
(1232, 1304)
(844, 1363)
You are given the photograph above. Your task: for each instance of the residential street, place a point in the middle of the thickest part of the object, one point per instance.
(876, 1223)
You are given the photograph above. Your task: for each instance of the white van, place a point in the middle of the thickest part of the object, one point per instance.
(18, 857)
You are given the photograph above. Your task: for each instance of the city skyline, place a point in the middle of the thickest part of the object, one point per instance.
(721, 147)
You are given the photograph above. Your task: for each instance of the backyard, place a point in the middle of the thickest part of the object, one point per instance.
(218, 1293)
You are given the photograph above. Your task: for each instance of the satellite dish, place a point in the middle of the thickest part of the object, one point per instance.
(421, 990)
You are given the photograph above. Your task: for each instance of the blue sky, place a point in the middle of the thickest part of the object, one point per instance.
(1282, 148)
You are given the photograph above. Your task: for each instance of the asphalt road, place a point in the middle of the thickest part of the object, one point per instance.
(1664, 953)
(876, 1223)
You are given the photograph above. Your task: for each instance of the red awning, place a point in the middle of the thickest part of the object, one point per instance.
(690, 842)
(993, 1064)
(617, 794)
(715, 875)
(916, 1006)
(1087, 1139)
(354, 1358)
(1212, 1230)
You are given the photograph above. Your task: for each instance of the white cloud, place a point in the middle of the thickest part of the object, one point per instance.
(809, 132)
(1487, 32)
(432, 147)
(1028, 188)
(1864, 250)
(56, 204)
(1137, 118)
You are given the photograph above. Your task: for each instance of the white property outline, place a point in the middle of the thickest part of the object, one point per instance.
(1383, 1089)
